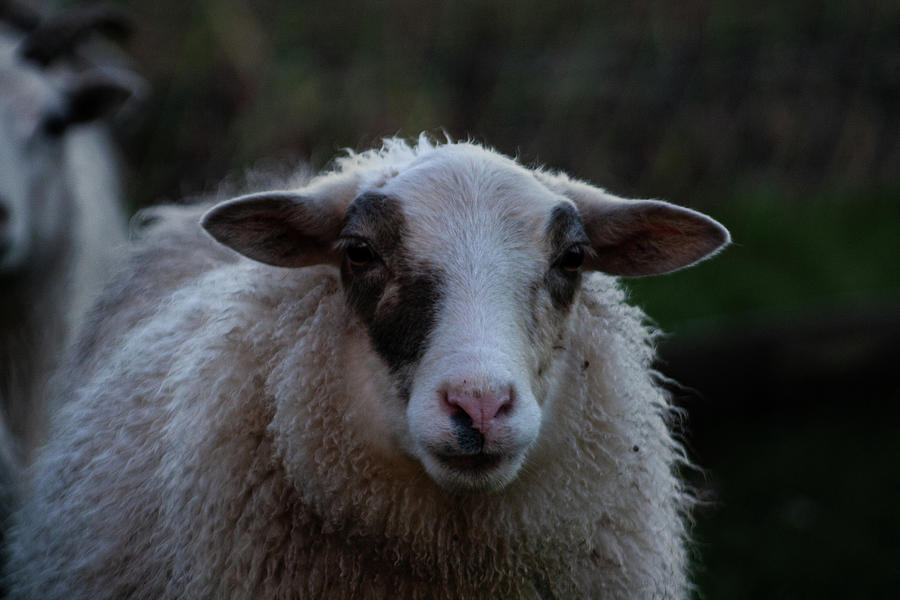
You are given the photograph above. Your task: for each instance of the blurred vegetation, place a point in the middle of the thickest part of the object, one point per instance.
(781, 119)
(789, 253)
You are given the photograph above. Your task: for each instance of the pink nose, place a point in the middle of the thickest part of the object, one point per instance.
(482, 405)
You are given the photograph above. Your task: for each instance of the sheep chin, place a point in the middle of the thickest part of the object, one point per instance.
(478, 474)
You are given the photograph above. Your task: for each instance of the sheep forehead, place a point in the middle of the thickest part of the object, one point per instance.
(462, 200)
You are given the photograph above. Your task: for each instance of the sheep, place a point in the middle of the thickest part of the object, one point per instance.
(60, 212)
(415, 376)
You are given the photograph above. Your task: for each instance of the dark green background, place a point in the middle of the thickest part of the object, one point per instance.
(781, 119)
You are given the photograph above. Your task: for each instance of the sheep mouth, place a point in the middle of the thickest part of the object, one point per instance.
(479, 463)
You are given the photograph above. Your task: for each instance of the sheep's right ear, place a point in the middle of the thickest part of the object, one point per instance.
(634, 238)
(282, 229)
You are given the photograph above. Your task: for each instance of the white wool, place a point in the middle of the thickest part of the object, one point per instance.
(228, 443)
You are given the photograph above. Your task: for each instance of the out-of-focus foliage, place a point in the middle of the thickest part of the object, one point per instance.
(781, 119)
(692, 100)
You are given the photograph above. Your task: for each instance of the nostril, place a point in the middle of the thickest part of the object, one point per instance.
(506, 405)
(461, 419)
(498, 405)
(478, 407)
(451, 408)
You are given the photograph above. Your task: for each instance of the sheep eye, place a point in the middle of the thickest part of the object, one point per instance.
(360, 254)
(572, 259)
(53, 125)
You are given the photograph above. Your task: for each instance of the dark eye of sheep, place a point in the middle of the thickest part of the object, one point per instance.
(359, 254)
(571, 259)
(53, 124)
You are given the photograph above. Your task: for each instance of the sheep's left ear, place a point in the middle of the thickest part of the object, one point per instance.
(633, 238)
(283, 229)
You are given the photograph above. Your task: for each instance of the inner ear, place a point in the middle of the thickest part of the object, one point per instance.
(282, 229)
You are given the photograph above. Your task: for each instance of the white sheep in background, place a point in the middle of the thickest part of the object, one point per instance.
(60, 217)
(441, 396)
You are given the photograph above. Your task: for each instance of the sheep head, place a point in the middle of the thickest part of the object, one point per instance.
(463, 266)
(37, 108)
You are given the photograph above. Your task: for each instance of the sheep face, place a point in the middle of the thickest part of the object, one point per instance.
(27, 155)
(463, 278)
(462, 266)
(36, 109)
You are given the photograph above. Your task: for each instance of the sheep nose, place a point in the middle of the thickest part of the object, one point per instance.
(482, 406)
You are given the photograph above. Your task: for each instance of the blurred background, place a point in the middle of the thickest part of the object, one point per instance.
(780, 119)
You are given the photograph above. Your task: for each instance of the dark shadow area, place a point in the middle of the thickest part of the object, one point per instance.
(794, 418)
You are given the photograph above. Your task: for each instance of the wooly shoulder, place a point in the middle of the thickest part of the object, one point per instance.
(420, 381)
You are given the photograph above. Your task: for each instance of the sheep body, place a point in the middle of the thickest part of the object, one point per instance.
(228, 440)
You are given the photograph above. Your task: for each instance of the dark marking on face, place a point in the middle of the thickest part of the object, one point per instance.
(395, 297)
(565, 227)
(469, 439)
(404, 318)
(377, 218)
(564, 231)
(562, 288)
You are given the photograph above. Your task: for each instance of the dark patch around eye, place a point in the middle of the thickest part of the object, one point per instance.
(378, 218)
(363, 290)
(564, 227)
(562, 287)
(564, 230)
(402, 322)
(396, 299)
